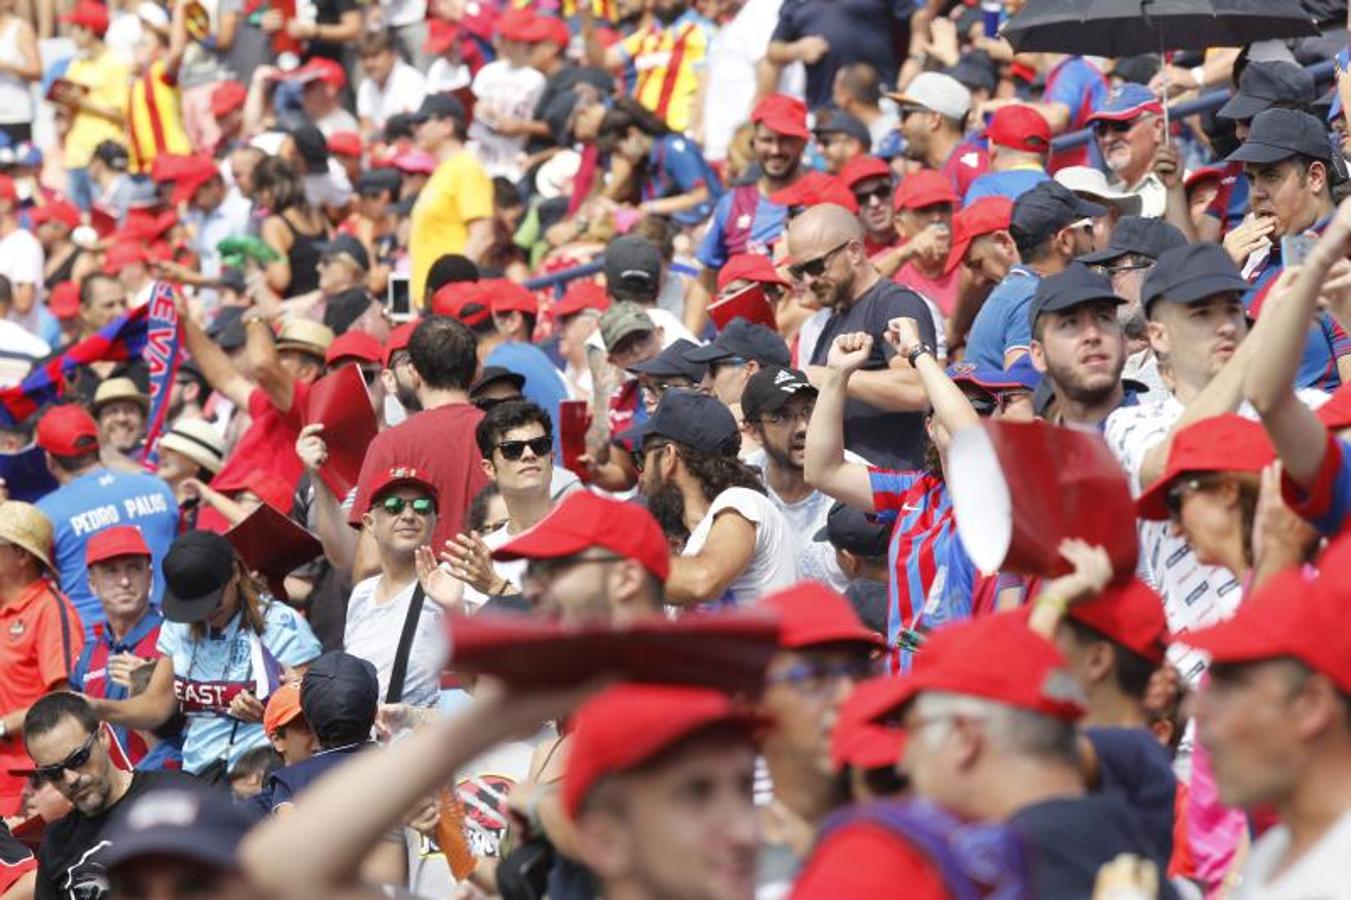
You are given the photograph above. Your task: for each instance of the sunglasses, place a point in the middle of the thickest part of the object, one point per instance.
(881, 194)
(1178, 493)
(815, 267)
(423, 506)
(1115, 127)
(74, 762)
(513, 450)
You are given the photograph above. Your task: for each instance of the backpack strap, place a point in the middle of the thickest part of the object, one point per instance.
(399, 673)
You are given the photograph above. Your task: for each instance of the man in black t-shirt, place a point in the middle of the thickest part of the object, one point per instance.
(70, 749)
(883, 418)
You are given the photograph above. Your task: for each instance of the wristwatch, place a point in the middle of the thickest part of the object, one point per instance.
(917, 351)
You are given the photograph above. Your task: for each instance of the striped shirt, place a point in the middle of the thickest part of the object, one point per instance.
(663, 64)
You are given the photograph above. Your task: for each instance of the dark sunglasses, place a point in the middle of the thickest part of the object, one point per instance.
(74, 762)
(423, 506)
(815, 267)
(1114, 127)
(881, 194)
(514, 450)
(1178, 493)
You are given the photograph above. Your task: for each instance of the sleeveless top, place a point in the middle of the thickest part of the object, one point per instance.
(304, 259)
(62, 272)
(16, 98)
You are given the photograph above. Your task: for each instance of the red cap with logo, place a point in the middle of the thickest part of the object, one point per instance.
(859, 742)
(1019, 127)
(1288, 616)
(585, 520)
(110, 543)
(68, 430)
(1129, 614)
(986, 215)
(88, 14)
(344, 143)
(398, 476)
(863, 167)
(463, 300)
(750, 267)
(1227, 443)
(582, 294)
(227, 97)
(993, 657)
(815, 188)
(510, 296)
(62, 211)
(357, 346)
(783, 115)
(924, 188)
(626, 726)
(812, 615)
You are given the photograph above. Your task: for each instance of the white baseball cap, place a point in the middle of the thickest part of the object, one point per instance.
(938, 93)
(1091, 181)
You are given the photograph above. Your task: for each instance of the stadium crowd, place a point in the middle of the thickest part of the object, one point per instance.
(977, 417)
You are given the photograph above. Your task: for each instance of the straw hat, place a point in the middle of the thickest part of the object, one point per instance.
(24, 525)
(305, 336)
(199, 441)
(119, 389)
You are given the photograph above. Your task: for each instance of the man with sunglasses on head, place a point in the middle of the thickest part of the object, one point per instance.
(400, 518)
(70, 750)
(883, 420)
(1129, 129)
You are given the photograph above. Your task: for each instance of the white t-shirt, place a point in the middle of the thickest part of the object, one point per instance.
(338, 120)
(373, 631)
(19, 350)
(443, 75)
(510, 92)
(1321, 873)
(403, 92)
(736, 49)
(672, 330)
(773, 565)
(21, 258)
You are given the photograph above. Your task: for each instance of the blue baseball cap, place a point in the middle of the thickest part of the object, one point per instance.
(744, 340)
(1076, 285)
(1265, 84)
(1125, 102)
(672, 362)
(988, 378)
(695, 420)
(1190, 274)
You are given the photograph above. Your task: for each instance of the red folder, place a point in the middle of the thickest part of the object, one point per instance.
(729, 651)
(339, 400)
(574, 417)
(272, 544)
(750, 303)
(1020, 488)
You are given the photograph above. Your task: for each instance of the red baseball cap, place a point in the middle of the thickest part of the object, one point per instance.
(68, 430)
(187, 173)
(1020, 128)
(441, 36)
(64, 300)
(356, 346)
(1288, 616)
(783, 115)
(994, 657)
(924, 188)
(227, 97)
(123, 254)
(814, 188)
(320, 69)
(398, 476)
(580, 295)
(628, 725)
(344, 143)
(860, 743)
(516, 25)
(861, 167)
(510, 296)
(120, 540)
(549, 28)
(414, 162)
(282, 707)
(812, 615)
(56, 211)
(1129, 614)
(88, 14)
(986, 215)
(1227, 443)
(585, 520)
(463, 300)
(750, 267)
(397, 340)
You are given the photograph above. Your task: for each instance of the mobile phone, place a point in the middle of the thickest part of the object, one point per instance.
(398, 299)
(1295, 248)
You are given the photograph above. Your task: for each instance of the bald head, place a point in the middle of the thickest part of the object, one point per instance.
(821, 228)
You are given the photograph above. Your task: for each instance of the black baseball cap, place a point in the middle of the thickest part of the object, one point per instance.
(343, 308)
(339, 694)
(196, 570)
(695, 420)
(1139, 236)
(1192, 273)
(227, 329)
(186, 821)
(311, 145)
(373, 181)
(1265, 84)
(854, 530)
(672, 362)
(1049, 207)
(345, 243)
(1065, 290)
(770, 389)
(440, 106)
(744, 340)
(833, 120)
(975, 70)
(494, 374)
(632, 268)
(1277, 134)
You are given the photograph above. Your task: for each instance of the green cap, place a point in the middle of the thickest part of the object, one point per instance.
(621, 320)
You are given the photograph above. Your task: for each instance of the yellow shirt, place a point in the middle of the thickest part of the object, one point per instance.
(662, 67)
(105, 78)
(458, 192)
(154, 122)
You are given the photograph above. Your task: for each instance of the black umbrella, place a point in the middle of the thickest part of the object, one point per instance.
(1127, 27)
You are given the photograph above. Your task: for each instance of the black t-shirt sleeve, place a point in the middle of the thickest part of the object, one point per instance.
(900, 303)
